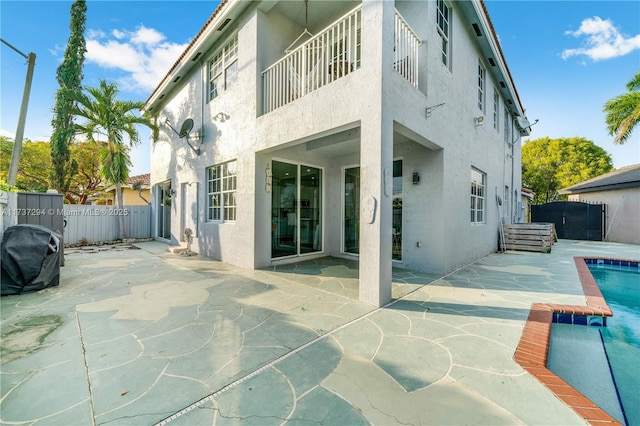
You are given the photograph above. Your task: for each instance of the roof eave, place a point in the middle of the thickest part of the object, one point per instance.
(190, 55)
(610, 187)
(488, 42)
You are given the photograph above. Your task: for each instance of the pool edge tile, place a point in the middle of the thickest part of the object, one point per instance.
(533, 348)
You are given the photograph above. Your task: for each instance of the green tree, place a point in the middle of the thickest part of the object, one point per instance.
(87, 181)
(104, 115)
(549, 165)
(35, 163)
(69, 76)
(623, 112)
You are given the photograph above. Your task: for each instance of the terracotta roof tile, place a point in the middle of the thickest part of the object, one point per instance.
(145, 179)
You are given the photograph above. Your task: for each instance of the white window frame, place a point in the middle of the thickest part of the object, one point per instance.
(506, 126)
(496, 110)
(221, 189)
(443, 24)
(478, 196)
(222, 69)
(482, 85)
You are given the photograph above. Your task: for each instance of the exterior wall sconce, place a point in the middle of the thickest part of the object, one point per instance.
(479, 121)
(221, 117)
(185, 129)
(416, 178)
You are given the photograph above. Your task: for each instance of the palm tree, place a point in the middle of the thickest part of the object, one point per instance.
(623, 112)
(108, 117)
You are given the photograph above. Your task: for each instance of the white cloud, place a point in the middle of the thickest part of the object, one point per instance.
(93, 34)
(147, 36)
(144, 55)
(118, 34)
(57, 51)
(602, 40)
(7, 134)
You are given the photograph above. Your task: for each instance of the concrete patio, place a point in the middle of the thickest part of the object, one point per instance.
(140, 336)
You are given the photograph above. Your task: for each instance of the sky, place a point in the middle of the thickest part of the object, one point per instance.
(567, 59)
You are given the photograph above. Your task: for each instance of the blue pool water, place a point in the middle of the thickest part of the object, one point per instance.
(620, 287)
(603, 363)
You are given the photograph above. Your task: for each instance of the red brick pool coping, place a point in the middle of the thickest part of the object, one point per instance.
(533, 348)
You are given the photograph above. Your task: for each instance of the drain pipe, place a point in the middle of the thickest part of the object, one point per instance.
(513, 210)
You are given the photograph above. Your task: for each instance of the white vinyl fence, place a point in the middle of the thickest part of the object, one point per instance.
(102, 223)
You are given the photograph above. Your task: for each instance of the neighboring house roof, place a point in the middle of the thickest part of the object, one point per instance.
(145, 179)
(625, 177)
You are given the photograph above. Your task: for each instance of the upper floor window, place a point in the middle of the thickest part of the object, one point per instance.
(442, 18)
(506, 126)
(223, 68)
(221, 192)
(482, 75)
(478, 183)
(496, 110)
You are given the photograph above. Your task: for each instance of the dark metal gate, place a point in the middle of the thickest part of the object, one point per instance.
(573, 220)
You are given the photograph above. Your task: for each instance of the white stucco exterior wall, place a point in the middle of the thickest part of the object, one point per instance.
(386, 116)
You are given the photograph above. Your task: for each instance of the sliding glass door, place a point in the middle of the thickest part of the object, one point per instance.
(310, 209)
(296, 209)
(351, 225)
(163, 210)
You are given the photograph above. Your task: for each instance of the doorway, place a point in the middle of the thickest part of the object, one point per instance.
(296, 209)
(163, 209)
(351, 211)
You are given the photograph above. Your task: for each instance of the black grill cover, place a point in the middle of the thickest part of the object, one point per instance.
(30, 257)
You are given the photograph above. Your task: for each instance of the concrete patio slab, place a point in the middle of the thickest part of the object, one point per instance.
(136, 335)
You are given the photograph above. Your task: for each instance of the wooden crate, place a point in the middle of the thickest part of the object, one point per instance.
(536, 237)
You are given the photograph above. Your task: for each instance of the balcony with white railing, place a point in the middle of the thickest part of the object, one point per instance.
(330, 55)
(405, 55)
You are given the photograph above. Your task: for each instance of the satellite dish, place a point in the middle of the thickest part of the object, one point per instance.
(523, 123)
(184, 133)
(186, 128)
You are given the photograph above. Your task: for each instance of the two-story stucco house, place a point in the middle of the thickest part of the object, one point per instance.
(385, 131)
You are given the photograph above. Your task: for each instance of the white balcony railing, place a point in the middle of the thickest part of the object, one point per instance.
(329, 55)
(405, 59)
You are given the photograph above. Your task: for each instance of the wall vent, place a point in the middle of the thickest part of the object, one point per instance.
(224, 24)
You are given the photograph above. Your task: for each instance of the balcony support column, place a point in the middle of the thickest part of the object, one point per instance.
(376, 155)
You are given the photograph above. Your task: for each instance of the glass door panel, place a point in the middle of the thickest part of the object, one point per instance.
(396, 218)
(310, 209)
(163, 204)
(284, 209)
(351, 218)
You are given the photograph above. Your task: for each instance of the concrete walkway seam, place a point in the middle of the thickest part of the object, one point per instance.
(211, 397)
(86, 369)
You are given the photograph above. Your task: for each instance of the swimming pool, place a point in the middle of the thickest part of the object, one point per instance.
(603, 363)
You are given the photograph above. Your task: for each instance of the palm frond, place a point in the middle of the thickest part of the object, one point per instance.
(623, 112)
